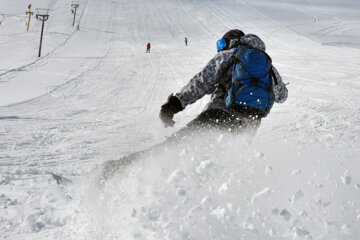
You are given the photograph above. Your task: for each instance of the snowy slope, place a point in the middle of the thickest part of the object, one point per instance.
(95, 96)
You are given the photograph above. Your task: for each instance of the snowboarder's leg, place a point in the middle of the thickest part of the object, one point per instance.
(214, 119)
(111, 167)
(217, 119)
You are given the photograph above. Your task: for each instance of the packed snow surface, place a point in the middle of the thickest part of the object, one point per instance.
(94, 95)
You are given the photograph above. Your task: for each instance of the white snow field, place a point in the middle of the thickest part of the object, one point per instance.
(94, 95)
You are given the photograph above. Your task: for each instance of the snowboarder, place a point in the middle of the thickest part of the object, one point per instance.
(229, 71)
(148, 47)
(240, 97)
(186, 41)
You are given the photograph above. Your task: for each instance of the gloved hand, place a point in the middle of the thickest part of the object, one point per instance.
(171, 107)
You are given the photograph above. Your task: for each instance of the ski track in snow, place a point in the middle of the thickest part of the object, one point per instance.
(95, 96)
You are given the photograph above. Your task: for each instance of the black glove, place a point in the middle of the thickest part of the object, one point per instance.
(172, 106)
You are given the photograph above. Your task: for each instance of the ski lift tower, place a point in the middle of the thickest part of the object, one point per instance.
(29, 13)
(42, 15)
(75, 6)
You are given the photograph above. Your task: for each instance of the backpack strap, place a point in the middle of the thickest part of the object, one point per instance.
(273, 75)
(237, 60)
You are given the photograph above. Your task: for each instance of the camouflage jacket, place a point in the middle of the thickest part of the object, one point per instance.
(216, 76)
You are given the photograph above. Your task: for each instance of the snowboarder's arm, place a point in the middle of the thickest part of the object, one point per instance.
(204, 82)
(279, 88)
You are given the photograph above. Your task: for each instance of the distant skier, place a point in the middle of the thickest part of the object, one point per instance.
(148, 46)
(242, 82)
(186, 41)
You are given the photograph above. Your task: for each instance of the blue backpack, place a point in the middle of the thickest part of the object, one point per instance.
(251, 80)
